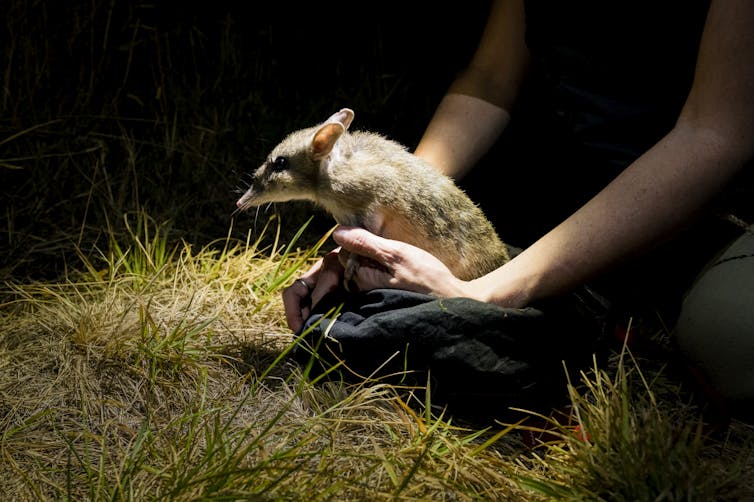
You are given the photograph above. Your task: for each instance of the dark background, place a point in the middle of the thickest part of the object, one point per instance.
(110, 109)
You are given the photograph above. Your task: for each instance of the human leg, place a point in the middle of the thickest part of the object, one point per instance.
(715, 329)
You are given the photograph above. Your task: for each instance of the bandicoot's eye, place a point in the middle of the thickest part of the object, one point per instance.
(279, 163)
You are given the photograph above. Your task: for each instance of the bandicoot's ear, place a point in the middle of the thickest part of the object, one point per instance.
(329, 132)
(324, 139)
(344, 117)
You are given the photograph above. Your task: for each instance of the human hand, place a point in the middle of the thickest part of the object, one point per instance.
(398, 265)
(307, 290)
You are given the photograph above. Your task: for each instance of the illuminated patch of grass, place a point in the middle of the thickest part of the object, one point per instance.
(136, 382)
(173, 382)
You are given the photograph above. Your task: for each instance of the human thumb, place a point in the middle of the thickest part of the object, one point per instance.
(363, 243)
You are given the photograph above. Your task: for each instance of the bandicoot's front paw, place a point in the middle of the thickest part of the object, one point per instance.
(349, 274)
(353, 263)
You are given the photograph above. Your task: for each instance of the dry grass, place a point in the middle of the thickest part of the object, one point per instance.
(173, 383)
(633, 438)
(163, 373)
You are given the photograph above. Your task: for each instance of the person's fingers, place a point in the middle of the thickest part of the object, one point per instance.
(364, 243)
(296, 298)
(370, 275)
(388, 263)
(379, 258)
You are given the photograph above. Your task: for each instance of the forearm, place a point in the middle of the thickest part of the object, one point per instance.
(648, 202)
(664, 188)
(475, 110)
(461, 131)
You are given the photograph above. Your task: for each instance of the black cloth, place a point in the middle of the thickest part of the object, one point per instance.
(480, 359)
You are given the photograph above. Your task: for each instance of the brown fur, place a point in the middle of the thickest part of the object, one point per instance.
(367, 180)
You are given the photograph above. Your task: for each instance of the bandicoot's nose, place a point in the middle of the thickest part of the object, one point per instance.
(238, 203)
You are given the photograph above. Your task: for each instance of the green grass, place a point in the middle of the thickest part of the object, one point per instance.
(156, 374)
(143, 350)
(626, 442)
(170, 384)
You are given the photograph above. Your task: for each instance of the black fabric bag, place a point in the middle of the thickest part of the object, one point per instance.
(481, 359)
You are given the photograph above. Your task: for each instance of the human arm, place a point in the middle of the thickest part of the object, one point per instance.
(654, 197)
(663, 189)
(476, 108)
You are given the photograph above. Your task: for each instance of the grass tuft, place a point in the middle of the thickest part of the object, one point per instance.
(621, 442)
(176, 384)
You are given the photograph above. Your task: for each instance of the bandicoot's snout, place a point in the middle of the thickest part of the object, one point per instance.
(243, 202)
